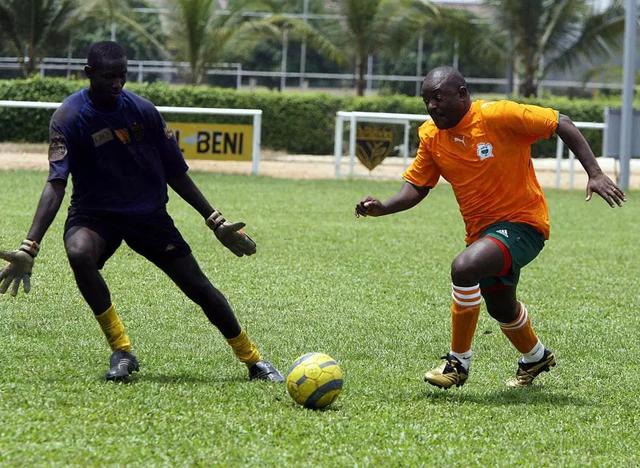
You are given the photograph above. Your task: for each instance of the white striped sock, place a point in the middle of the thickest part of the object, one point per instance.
(466, 296)
(534, 355)
(464, 358)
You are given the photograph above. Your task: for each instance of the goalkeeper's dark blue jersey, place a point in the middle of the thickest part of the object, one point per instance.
(119, 161)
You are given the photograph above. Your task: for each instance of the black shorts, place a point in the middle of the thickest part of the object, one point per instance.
(154, 236)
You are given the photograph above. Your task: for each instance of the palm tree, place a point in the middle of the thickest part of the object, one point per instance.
(444, 35)
(199, 32)
(271, 22)
(371, 26)
(118, 12)
(548, 34)
(30, 26)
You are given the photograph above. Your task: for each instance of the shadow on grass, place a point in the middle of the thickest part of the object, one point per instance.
(177, 379)
(191, 379)
(535, 395)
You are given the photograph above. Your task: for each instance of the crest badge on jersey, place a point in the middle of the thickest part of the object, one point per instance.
(169, 133)
(57, 147)
(484, 151)
(123, 135)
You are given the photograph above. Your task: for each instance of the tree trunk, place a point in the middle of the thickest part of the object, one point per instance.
(530, 86)
(360, 83)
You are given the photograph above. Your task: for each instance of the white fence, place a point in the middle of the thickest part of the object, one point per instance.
(256, 113)
(405, 119)
(172, 71)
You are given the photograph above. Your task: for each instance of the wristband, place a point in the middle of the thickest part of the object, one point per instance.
(30, 247)
(215, 220)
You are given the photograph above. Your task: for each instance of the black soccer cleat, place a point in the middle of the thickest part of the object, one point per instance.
(123, 364)
(527, 372)
(264, 370)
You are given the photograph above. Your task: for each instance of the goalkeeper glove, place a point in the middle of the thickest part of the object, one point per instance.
(231, 235)
(19, 268)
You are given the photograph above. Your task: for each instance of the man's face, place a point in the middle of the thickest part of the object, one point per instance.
(107, 79)
(446, 103)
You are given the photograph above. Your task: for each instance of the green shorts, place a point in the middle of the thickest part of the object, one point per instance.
(520, 242)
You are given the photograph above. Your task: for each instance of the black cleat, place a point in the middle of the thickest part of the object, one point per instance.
(122, 365)
(527, 372)
(264, 370)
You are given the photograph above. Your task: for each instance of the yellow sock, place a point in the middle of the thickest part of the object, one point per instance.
(520, 332)
(465, 310)
(113, 330)
(244, 349)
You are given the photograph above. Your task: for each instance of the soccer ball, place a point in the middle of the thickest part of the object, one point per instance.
(314, 380)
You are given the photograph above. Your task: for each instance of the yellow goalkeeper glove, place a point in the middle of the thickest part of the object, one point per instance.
(19, 268)
(231, 235)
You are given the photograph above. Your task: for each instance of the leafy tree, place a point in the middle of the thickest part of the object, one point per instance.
(449, 36)
(31, 27)
(548, 34)
(198, 32)
(118, 20)
(269, 33)
(373, 26)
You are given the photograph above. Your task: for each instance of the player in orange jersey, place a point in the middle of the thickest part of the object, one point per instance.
(483, 149)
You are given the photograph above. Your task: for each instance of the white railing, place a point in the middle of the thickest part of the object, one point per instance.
(376, 117)
(572, 158)
(255, 113)
(171, 70)
(404, 119)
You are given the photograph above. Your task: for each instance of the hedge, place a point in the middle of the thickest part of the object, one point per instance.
(292, 122)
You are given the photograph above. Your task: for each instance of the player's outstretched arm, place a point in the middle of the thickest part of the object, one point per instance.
(407, 197)
(22, 259)
(231, 235)
(598, 181)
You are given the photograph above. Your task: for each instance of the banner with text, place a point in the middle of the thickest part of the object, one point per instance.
(222, 142)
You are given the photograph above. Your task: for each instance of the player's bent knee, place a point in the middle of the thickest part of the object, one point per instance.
(463, 271)
(79, 258)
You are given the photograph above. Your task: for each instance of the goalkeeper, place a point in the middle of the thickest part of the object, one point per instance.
(121, 157)
(483, 150)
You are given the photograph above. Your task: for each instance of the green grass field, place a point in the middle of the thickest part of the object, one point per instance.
(373, 293)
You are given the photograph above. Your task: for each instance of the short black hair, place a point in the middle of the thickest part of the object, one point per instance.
(448, 74)
(103, 51)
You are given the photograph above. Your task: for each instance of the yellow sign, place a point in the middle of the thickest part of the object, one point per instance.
(222, 142)
(373, 144)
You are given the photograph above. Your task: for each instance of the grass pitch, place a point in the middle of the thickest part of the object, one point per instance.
(372, 293)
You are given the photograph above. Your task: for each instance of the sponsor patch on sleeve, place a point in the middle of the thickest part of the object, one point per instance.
(57, 147)
(168, 133)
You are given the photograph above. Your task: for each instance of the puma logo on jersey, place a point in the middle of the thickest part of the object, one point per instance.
(484, 151)
(458, 139)
(503, 232)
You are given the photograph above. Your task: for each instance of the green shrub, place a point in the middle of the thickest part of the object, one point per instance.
(295, 123)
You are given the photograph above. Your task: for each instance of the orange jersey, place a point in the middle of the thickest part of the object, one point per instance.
(487, 160)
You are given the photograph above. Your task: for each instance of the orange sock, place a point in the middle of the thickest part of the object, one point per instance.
(465, 310)
(520, 331)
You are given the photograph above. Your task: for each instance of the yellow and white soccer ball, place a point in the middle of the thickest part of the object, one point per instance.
(314, 380)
